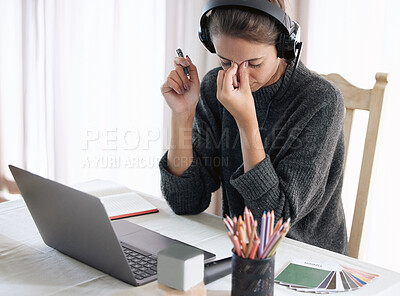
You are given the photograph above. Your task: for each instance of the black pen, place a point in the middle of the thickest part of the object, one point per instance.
(185, 69)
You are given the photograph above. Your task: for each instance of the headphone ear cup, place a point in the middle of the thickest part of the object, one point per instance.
(205, 37)
(280, 45)
(208, 43)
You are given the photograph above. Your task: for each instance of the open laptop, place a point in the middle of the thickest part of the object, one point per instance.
(76, 224)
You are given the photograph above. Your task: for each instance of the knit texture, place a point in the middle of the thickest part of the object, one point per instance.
(302, 174)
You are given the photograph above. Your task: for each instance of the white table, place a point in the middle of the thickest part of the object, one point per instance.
(29, 267)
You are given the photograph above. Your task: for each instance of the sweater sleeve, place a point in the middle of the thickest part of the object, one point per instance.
(294, 183)
(191, 192)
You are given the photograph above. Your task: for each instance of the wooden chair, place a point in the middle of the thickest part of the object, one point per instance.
(370, 100)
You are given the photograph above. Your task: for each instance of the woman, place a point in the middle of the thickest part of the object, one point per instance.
(272, 137)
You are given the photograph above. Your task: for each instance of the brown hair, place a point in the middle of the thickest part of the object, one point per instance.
(246, 24)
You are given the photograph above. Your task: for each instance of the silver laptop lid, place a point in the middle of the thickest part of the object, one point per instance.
(73, 222)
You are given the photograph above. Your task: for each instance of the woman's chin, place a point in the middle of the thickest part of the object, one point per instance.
(254, 87)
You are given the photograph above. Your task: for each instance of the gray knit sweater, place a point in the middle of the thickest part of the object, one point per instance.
(300, 178)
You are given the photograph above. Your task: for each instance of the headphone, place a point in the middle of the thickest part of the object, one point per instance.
(289, 38)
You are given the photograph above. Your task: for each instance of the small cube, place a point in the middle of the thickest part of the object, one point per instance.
(180, 267)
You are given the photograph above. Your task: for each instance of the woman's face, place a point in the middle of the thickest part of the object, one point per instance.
(264, 68)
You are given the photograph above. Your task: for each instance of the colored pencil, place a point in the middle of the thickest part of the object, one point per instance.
(242, 232)
(234, 220)
(271, 230)
(268, 230)
(236, 245)
(228, 226)
(251, 239)
(262, 233)
(247, 221)
(254, 249)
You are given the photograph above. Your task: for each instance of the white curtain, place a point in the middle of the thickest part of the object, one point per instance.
(182, 24)
(357, 39)
(80, 89)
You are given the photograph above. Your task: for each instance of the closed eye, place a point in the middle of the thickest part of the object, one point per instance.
(255, 66)
(225, 65)
(228, 64)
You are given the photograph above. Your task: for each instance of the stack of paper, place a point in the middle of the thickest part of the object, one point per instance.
(327, 277)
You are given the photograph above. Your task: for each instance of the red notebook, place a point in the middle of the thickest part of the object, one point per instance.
(119, 201)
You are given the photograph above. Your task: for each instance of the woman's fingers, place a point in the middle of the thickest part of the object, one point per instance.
(183, 77)
(194, 76)
(174, 82)
(235, 82)
(181, 61)
(230, 77)
(226, 81)
(244, 76)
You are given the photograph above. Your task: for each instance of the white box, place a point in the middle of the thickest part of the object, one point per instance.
(180, 267)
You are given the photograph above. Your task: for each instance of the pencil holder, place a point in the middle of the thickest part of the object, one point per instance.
(252, 277)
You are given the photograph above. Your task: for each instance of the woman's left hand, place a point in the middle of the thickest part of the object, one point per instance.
(236, 95)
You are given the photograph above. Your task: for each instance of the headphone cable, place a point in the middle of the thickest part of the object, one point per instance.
(299, 47)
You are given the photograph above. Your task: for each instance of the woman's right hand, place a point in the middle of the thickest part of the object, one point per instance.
(180, 92)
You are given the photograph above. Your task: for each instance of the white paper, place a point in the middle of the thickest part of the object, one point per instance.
(125, 203)
(117, 199)
(101, 188)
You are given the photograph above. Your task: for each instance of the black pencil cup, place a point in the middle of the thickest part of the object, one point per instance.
(252, 277)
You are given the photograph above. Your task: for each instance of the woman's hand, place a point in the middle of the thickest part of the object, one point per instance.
(235, 94)
(180, 92)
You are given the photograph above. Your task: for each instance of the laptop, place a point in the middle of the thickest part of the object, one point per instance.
(76, 224)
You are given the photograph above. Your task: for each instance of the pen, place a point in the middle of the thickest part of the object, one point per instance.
(185, 69)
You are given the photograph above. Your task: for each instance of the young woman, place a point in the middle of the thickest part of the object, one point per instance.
(269, 133)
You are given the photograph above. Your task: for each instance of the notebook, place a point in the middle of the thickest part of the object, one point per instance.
(118, 200)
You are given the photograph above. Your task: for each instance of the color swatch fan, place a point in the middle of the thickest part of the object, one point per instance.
(327, 277)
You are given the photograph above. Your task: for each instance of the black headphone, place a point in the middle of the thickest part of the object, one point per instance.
(289, 38)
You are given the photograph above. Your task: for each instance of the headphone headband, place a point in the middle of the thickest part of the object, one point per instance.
(290, 35)
(262, 6)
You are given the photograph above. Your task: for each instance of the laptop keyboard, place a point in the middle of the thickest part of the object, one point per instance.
(142, 265)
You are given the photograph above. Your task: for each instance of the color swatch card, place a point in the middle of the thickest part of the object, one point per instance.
(326, 277)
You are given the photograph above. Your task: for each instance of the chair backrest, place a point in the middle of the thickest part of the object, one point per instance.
(370, 100)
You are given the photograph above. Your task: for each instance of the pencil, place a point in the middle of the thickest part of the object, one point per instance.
(254, 249)
(268, 229)
(268, 248)
(278, 225)
(235, 228)
(262, 234)
(229, 220)
(275, 246)
(228, 226)
(271, 230)
(236, 245)
(251, 239)
(242, 237)
(247, 221)
(275, 240)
